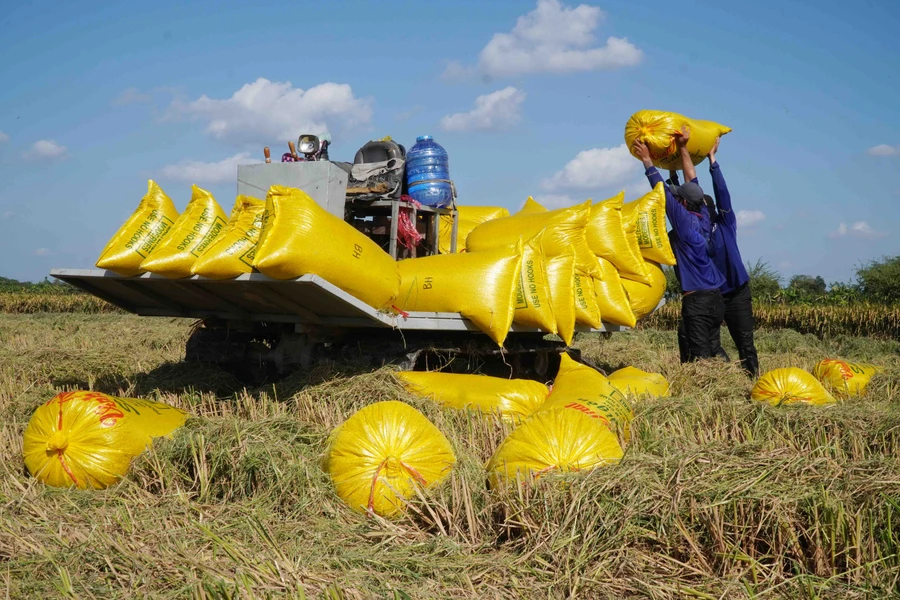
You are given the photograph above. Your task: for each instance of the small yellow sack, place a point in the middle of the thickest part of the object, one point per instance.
(586, 311)
(605, 233)
(480, 286)
(193, 233)
(657, 128)
(650, 225)
(634, 382)
(554, 440)
(562, 228)
(301, 238)
(645, 298)
(532, 207)
(234, 250)
(148, 225)
(88, 439)
(845, 378)
(580, 388)
(470, 217)
(612, 301)
(382, 453)
(514, 399)
(560, 277)
(533, 307)
(790, 386)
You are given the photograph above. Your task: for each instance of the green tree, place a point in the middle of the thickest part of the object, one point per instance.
(807, 288)
(765, 282)
(879, 280)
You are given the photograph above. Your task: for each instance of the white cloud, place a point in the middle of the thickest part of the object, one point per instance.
(493, 112)
(596, 168)
(131, 95)
(43, 252)
(7, 216)
(195, 171)
(883, 150)
(860, 229)
(749, 218)
(263, 110)
(45, 149)
(553, 38)
(3, 137)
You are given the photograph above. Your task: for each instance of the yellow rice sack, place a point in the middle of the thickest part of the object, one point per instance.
(531, 207)
(634, 382)
(301, 238)
(845, 378)
(645, 298)
(560, 278)
(480, 286)
(556, 440)
(193, 233)
(650, 225)
(382, 453)
(88, 439)
(656, 128)
(234, 250)
(606, 237)
(586, 311)
(612, 300)
(582, 389)
(562, 228)
(469, 217)
(514, 399)
(533, 307)
(629, 226)
(145, 229)
(790, 386)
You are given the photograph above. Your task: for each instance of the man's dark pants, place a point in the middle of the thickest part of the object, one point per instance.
(701, 317)
(739, 319)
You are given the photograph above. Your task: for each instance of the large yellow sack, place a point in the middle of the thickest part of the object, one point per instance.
(193, 233)
(145, 229)
(645, 298)
(480, 286)
(606, 237)
(656, 128)
(88, 439)
(845, 378)
(301, 238)
(632, 381)
(469, 217)
(382, 453)
(533, 307)
(560, 277)
(234, 250)
(586, 311)
(562, 228)
(790, 386)
(612, 300)
(554, 440)
(650, 225)
(582, 389)
(512, 398)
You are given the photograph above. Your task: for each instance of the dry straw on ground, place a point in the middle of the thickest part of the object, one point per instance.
(717, 497)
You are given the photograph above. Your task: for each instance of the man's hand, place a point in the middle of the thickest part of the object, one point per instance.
(712, 153)
(642, 152)
(682, 137)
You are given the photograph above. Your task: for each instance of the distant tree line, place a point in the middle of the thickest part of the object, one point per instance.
(877, 281)
(47, 286)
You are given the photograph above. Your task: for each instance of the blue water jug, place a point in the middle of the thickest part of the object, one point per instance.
(428, 173)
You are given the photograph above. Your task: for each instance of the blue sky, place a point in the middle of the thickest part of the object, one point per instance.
(529, 98)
